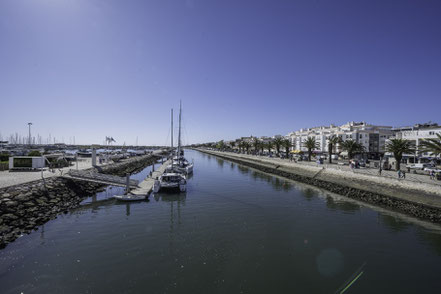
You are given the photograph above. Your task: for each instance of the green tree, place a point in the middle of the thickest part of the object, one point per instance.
(256, 144)
(34, 153)
(220, 145)
(286, 143)
(232, 144)
(247, 146)
(398, 147)
(269, 146)
(432, 145)
(332, 142)
(310, 144)
(278, 143)
(352, 147)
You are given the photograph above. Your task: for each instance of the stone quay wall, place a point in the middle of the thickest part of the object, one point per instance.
(25, 207)
(421, 201)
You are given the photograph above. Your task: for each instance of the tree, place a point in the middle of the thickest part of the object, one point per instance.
(277, 143)
(256, 144)
(241, 146)
(310, 144)
(34, 153)
(352, 147)
(398, 147)
(432, 145)
(332, 142)
(246, 145)
(269, 146)
(286, 143)
(232, 144)
(220, 145)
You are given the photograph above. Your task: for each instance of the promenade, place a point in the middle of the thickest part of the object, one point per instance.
(20, 177)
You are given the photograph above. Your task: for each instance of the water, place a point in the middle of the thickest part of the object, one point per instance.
(236, 230)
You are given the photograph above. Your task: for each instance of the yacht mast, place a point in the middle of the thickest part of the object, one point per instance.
(172, 129)
(179, 134)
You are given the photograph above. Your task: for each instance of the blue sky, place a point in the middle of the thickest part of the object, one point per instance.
(94, 68)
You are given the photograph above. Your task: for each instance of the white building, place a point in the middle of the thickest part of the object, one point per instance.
(372, 137)
(417, 133)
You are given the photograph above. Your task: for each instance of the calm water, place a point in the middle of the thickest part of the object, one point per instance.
(236, 230)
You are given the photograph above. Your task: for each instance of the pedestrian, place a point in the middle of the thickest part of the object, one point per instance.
(379, 171)
(403, 174)
(399, 174)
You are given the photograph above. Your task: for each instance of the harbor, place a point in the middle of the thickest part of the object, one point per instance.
(233, 221)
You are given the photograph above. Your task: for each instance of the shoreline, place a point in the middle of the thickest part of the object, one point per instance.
(419, 200)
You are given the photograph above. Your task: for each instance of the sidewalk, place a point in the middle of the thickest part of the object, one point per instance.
(366, 171)
(20, 177)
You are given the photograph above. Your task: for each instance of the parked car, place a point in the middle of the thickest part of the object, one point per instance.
(419, 166)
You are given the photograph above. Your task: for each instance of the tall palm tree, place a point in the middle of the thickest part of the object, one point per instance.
(256, 144)
(220, 145)
(247, 146)
(269, 146)
(432, 145)
(352, 147)
(398, 147)
(286, 143)
(240, 145)
(310, 144)
(332, 142)
(232, 144)
(278, 143)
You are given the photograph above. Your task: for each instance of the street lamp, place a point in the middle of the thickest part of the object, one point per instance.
(30, 124)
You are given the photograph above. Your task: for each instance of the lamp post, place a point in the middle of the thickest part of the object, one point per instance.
(29, 124)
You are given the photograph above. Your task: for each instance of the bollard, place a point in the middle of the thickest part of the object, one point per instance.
(127, 183)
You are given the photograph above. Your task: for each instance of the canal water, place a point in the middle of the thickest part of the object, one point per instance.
(236, 230)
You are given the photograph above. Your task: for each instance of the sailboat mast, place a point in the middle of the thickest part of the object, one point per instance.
(179, 134)
(172, 134)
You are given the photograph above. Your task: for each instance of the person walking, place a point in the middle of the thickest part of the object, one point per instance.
(403, 174)
(399, 174)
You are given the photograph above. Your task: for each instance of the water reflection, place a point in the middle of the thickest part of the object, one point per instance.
(393, 223)
(220, 162)
(309, 193)
(345, 206)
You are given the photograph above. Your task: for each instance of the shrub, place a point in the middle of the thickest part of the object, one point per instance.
(34, 153)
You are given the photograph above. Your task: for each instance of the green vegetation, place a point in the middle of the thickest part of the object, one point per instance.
(398, 147)
(278, 143)
(310, 144)
(432, 145)
(352, 147)
(332, 142)
(34, 153)
(4, 156)
(286, 143)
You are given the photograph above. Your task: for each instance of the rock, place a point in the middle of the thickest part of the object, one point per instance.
(23, 197)
(11, 203)
(9, 216)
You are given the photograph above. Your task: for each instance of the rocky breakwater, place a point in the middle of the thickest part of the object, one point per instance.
(25, 207)
(415, 199)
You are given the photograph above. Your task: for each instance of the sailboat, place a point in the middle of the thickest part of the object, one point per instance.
(179, 162)
(171, 179)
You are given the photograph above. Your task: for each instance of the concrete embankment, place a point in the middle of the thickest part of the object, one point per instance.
(26, 206)
(416, 199)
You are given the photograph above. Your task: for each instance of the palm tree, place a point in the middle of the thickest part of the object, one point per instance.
(269, 146)
(240, 145)
(246, 145)
(232, 144)
(352, 147)
(220, 145)
(256, 144)
(310, 144)
(332, 142)
(398, 147)
(277, 143)
(287, 144)
(432, 145)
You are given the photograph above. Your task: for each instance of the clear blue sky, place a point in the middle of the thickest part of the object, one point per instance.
(94, 68)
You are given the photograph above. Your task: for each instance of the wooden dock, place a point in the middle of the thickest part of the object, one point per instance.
(146, 186)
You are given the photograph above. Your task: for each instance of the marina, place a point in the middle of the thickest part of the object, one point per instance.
(235, 229)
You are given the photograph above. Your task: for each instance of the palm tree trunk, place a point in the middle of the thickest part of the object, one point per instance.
(330, 153)
(398, 160)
